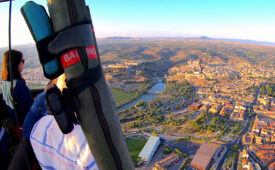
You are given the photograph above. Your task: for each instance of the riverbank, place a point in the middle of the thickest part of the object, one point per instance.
(145, 97)
(121, 99)
(120, 96)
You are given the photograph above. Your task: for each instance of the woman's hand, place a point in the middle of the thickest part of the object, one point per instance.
(49, 85)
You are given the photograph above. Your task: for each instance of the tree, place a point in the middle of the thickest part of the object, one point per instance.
(124, 130)
(197, 97)
(262, 90)
(178, 151)
(268, 89)
(154, 133)
(183, 104)
(167, 150)
(132, 108)
(249, 112)
(140, 103)
(228, 164)
(160, 118)
(236, 147)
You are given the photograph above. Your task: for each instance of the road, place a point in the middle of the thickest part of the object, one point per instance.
(239, 138)
(237, 141)
(256, 160)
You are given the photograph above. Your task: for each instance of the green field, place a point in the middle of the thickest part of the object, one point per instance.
(135, 145)
(122, 97)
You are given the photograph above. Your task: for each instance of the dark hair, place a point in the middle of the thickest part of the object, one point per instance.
(16, 58)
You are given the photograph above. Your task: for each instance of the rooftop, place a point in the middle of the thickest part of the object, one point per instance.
(149, 147)
(204, 155)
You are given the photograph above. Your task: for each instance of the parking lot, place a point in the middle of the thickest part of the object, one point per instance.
(190, 148)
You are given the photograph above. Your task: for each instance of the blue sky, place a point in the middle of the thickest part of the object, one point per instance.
(241, 19)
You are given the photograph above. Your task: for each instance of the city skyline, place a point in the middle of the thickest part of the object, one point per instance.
(251, 20)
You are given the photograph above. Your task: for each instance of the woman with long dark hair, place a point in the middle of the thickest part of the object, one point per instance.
(21, 99)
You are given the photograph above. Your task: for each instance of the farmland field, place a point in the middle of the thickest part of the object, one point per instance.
(135, 145)
(122, 97)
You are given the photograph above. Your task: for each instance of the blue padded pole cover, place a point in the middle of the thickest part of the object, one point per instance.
(40, 27)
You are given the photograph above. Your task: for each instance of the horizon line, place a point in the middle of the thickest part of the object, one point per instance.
(237, 40)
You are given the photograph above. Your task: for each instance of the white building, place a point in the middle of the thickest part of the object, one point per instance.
(149, 148)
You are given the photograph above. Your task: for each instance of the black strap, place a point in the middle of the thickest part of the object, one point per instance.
(45, 56)
(87, 79)
(42, 48)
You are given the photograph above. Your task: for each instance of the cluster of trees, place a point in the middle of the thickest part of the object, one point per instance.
(191, 138)
(235, 147)
(198, 123)
(135, 124)
(167, 150)
(145, 85)
(140, 103)
(152, 118)
(180, 94)
(174, 122)
(237, 129)
(185, 163)
(145, 120)
(268, 90)
(231, 155)
(153, 110)
(177, 151)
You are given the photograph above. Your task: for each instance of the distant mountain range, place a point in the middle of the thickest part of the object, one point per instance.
(119, 38)
(202, 37)
(236, 40)
(162, 53)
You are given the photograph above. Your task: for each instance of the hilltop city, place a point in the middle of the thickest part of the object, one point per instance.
(189, 104)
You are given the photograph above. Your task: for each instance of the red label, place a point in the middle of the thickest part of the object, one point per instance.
(70, 58)
(91, 52)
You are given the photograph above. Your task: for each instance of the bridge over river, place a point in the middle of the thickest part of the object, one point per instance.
(151, 92)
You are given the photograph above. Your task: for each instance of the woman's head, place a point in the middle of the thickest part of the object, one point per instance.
(60, 82)
(17, 65)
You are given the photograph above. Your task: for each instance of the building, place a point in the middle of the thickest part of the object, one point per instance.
(265, 100)
(237, 116)
(215, 108)
(204, 156)
(271, 166)
(205, 107)
(264, 110)
(244, 154)
(265, 152)
(259, 139)
(247, 139)
(246, 165)
(227, 110)
(118, 66)
(238, 113)
(149, 148)
(163, 164)
(264, 127)
(195, 106)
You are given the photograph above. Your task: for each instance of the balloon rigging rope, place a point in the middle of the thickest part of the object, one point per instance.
(11, 80)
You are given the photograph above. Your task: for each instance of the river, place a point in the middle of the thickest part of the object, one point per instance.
(146, 97)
